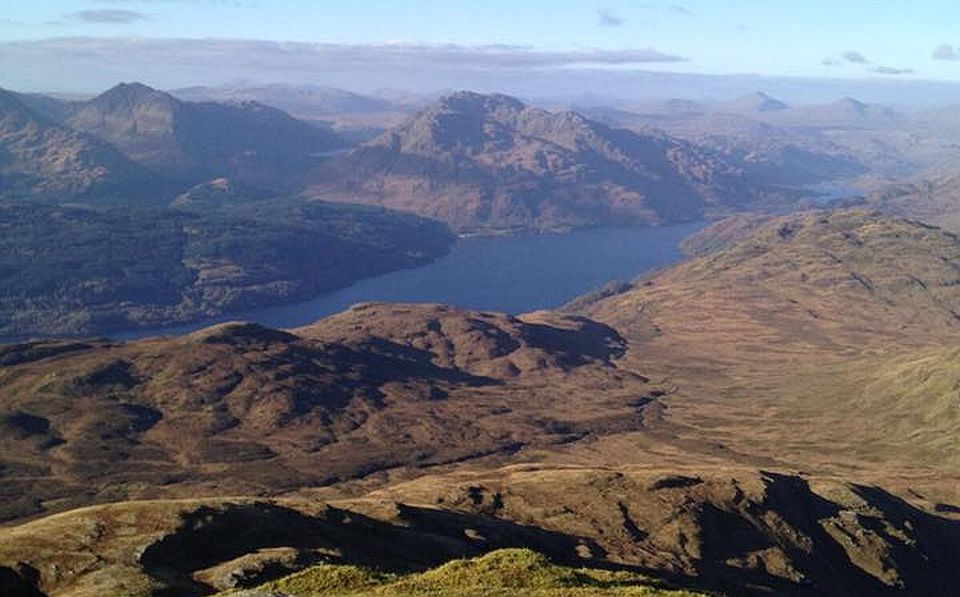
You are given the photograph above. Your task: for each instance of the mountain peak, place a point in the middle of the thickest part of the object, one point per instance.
(491, 162)
(134, 88)
(457, 121)
(766, 103)
(471, 100)
(850, 102)
(757, 101)
(130, 93)
(863, 109)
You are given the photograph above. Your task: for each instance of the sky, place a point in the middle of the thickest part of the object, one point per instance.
(83, 45)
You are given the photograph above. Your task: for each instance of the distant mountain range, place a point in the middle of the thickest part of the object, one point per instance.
(480, 163)
(765, 106)
(305, 101)
(353, 116)
(208, 222)
(490, 162)
(754, 102)
(191, 141)
(803, 143)
(134, 132)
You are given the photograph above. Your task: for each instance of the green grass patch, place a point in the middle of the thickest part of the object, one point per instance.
(506, 572)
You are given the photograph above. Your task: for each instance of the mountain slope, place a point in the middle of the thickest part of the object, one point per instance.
(933, 198)
(81, 270)
(53, 108)
(257, 410)
(776, 339)
(39, 158)
(354, 117)
(766, 150)
(838, 279)
(194, 142)
(742, 532)
(728, 529)
(754, 103)
(846, 111)
(683, 360)
(305, 101)
(775, 416)
(483, 162)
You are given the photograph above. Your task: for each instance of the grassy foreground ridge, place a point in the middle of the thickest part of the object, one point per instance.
(505, 572)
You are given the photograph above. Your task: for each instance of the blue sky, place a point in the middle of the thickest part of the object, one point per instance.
(858, 39)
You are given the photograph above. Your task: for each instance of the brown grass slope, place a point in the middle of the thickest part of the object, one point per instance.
(244, 409)
(845, 281)
(933, 198)
(776, 343)
(190, 547)
(774, 416)
(727, 529)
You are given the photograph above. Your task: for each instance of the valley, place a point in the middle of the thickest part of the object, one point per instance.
(279, 340)
(771, 416)
(510, 274)
(480, 164)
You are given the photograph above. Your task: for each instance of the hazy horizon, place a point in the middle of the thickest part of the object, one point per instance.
(693, 49)
(578, 87)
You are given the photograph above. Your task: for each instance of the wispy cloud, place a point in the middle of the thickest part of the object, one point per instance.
(127, 57)
(831, 62)
(111, 16)
(682, 10)
(673, 8)
(855, 57)
(889, 70)
(607, 17)
(945, 52)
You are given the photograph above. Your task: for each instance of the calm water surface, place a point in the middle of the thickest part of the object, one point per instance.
(511, 274)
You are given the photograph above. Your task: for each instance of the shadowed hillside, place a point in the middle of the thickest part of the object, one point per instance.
(85, 270)
(192, 142)
(246, 409)
(742, 533)
(41, 159)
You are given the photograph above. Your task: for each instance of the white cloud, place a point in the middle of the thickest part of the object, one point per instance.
(945, 52)
(607, 17)
(212, 53)
(111, 17)
(94, 62)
